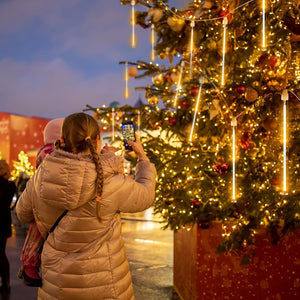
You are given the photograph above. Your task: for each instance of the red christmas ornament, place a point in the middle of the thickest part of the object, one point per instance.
(172, 121)
(225, 13)
(196, 203)
(183, 104)
(273, 62)
(292, 26)
(292, 97)
(194, 91)
(221, 168)
(246, 142)
(240, 89)
(266, 60)
(262, 59)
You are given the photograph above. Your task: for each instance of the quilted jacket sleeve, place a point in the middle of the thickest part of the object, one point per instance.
(127, 195)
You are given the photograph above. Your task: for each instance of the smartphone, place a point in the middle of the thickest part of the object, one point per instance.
(128, 132)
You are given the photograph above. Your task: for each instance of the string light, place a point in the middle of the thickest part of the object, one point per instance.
(201, 81)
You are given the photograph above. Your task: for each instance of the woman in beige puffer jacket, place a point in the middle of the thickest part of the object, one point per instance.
(84, 258)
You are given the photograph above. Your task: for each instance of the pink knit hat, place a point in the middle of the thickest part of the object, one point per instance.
(52, 130)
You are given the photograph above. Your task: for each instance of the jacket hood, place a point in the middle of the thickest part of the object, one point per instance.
(66, 180)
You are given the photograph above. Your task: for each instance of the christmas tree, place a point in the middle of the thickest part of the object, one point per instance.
(22, 165)
(222, 123)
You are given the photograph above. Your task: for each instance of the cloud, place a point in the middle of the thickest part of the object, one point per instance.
(53, 89)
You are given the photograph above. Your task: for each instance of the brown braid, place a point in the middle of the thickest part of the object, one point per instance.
(99, 170)
(79, 134)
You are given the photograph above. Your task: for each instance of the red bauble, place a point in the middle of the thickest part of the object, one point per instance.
(221, 168)
(292, 26)
(273, 62)
(240, 89)
(196, 203)
(194, 91)
(262, 59)
(172, 121)
(183, 104)
(225, 13)
(292, 97)
(266, 60)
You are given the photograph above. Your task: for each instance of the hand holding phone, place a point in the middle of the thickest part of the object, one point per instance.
(128, 132)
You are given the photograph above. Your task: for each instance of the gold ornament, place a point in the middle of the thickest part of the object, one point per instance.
(155, 14)
(270, 124)
(153, 100)
(174, 77)
(132, 71)
(251, 94)
(163, 55)
(176, 24)
(158, 79)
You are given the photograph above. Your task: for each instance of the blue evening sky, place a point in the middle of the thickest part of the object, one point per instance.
(56, 56)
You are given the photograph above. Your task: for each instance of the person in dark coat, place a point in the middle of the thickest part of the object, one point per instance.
(7, 191)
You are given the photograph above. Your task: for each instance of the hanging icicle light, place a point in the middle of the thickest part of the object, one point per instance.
(233, 124)
(284, 98)
(225, 22)
(178, 84)
(192, 46)
(201, 81)
(113, 124)
(152, 40)
(132, 22)
(263, 24)
(126, 78)
(139, 123)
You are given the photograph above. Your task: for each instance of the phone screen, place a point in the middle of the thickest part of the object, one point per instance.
(128, 132)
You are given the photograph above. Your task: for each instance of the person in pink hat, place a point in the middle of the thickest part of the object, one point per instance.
(30, 257)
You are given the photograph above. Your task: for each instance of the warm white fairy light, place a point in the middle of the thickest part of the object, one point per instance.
(132, 21)
(263, 24)
(233, 124)
(126, 78)
(192, 46)
(284, 98)
(152, 56)
(178, 84)
(113, 124)
(225, 22)
(139, 123)
(201, 81)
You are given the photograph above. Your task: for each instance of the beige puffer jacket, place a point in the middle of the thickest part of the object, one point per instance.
(84, 258)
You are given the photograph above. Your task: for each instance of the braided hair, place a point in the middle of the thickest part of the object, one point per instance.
(79, 134)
